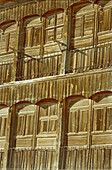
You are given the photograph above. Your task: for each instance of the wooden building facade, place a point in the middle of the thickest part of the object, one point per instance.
(55, 84)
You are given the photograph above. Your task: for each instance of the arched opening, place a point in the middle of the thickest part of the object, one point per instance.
(3, 121)
(101, 134)
(102, 118)
(4, 110)
(77, 120)
(54, 21)
(8, 36)
(8, 42)
(83, 24)
(24, 125)
(30, 38)
(105, 16)
(47, 122)
(33, 31)
(76, 132)
(46, 132)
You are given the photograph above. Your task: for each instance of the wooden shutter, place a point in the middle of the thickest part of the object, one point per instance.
(109, 118)
(78, 121)
(77, 29)
(59, 33)
(25, 125)
(60, 18)
(98, 119)
(106, 20)
(48, 118)
(88, 24)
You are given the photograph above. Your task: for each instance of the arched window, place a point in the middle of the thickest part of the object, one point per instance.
(33, 31)
(105, 17)
(83, 20)
(24, 124)
(3, 120)
(8, 36)
(78, 116)
(48, 117)
(54, 25)
(102, 108)
(47, 123)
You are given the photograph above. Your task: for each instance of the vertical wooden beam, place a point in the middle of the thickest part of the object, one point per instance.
(36, 124)
(64, 52)
(96, 26)
(69, 35)
(43, 37)
(58, 139)
(14, 70)
(20, 47)
(90, 118)
(61, 142)
(8, 140)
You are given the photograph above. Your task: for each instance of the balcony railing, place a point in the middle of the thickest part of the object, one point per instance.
(80, 60)
(99, 157)
(84, 158)
(6, 71)
(1, 158)
(32, 159)
(37, 67)
(86, 59)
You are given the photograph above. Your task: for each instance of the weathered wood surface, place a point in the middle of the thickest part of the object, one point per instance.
(57, 88)
(66, 118)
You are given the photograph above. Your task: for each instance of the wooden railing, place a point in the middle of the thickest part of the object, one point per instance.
(32, 159)
(6, 71)
(37, 67)
(86, 59)
(80, 60)
(1, 158)
(83, 158)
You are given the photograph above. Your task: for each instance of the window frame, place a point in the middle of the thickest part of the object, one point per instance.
(54, 27)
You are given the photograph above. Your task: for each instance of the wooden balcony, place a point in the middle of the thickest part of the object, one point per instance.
(96, 157)
(37, 67)
(1, 158)
(91, 58)
(80, 60)
(32, 158)
(6, 71)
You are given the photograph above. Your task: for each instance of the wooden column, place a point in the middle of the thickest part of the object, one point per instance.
(13, 76)
(59, 131)
(69, 32)
(36, 125)
(64, 52)
(89, 143)
(61, 135)
(43, 37)
(8, 139)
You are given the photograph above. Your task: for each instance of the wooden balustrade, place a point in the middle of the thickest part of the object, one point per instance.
(32, 158)
(39, 67)
(81, 60)
(86, 59)
(96, 157)
(6, 71)
(1, 158)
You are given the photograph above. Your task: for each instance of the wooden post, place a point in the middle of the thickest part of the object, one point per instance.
(69, 32)
(8, 133)
(64, 52)
(59, 131)
(61, 142)
(90, 124)
(13, 76)
(35, 125)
